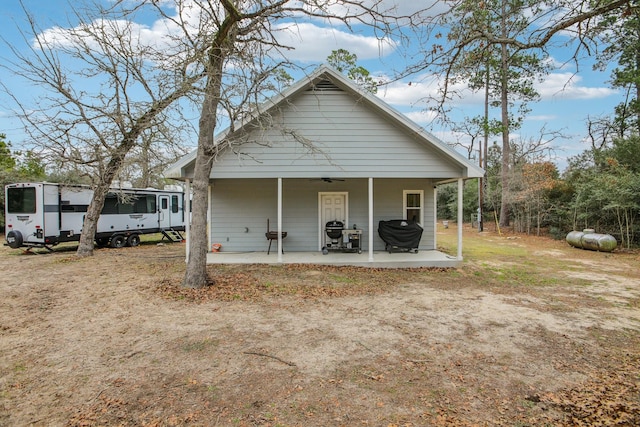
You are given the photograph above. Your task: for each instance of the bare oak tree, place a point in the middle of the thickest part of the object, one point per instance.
(103, 86)
(243, 52)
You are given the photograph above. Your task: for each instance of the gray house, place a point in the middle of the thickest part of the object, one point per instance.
(324, 150)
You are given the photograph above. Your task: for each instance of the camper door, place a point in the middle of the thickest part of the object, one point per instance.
(164, 212)
(51, 209)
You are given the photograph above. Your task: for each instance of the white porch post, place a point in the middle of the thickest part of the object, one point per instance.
(279, 219)
(370, 219)
(460, 218)
(187, 217)
(209, 188)
(435, 217)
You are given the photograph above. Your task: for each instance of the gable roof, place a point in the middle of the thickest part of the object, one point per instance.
(327, 78)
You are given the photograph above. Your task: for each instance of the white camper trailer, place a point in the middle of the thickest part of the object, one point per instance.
(45, 214)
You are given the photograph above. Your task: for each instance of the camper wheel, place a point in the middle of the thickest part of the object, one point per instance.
(101, 242)
(133, 240)
(118, 241)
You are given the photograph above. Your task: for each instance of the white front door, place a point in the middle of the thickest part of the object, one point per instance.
(333, 206)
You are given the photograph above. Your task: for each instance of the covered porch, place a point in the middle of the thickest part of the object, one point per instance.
(283, 252)
(427, 258)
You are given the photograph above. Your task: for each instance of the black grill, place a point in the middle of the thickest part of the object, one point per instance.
(334, 229)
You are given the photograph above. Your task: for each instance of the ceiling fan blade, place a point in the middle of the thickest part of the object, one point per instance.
(326, 179)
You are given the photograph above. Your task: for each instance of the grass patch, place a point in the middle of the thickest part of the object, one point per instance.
(481, 246)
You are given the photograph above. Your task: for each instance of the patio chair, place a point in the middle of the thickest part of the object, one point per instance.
(273, 235)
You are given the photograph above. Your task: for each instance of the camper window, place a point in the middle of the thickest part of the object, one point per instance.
(21, 200)
(145, 204)
(174, 204)
(135, 204)
(110, 204)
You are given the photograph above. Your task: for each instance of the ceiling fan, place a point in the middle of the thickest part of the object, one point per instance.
(326, 179)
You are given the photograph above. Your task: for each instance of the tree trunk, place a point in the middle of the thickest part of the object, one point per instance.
(196, 272)
(506, 147)
(90, 224)
(637, 87)
(484, 150)
(145, 166)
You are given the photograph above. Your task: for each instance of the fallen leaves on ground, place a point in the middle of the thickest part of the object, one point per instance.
(609, 398)
(255, 282)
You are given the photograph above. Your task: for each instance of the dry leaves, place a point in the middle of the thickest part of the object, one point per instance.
(610, 398)
(256, 282)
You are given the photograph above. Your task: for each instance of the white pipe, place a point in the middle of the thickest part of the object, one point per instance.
(187, 218)
(460, 218)
(209, 201)
(370, 219)
(435, 217)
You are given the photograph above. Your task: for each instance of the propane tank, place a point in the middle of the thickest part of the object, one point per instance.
(588, 239)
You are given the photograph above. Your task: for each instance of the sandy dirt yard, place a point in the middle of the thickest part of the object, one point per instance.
(528, 332)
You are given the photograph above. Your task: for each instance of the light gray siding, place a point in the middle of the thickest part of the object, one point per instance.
(332, 134)
(240, 208)
(388, 204)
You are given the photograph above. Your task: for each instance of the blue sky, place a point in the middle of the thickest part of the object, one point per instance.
(567, 98)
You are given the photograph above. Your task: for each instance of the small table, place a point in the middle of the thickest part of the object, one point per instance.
(351, 240)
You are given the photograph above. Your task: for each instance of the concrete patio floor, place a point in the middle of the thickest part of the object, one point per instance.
(380, 259)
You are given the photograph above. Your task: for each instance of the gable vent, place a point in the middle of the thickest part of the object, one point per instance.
(324, 86)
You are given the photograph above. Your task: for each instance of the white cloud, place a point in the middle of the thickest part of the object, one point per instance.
(425, 90)
(357, 12)
(310, 42)
(409, 93)
(91, 34)
(422, 117)
(556, 64)
(313, 43)
(567, 86)
(557, 86)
